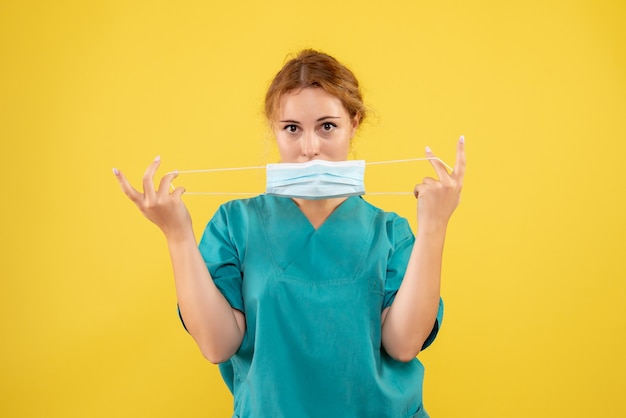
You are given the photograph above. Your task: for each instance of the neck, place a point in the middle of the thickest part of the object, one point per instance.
(319, 204)
(318, 210)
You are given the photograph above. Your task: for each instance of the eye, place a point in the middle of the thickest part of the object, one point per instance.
(291, 128)
(328, 126)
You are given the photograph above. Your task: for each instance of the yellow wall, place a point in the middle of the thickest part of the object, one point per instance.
(535, 264)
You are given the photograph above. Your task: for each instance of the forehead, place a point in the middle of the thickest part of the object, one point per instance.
(310, 102)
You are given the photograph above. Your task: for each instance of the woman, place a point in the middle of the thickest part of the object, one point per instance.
(312, 307)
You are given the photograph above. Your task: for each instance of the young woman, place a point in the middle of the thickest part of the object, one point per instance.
(313, 306)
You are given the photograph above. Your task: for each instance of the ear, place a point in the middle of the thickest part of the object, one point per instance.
(355, 124)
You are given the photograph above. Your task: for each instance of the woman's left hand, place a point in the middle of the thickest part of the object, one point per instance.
(438, 198)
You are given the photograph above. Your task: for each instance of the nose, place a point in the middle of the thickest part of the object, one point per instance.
(310, 145)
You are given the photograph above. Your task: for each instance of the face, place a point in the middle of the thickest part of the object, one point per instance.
(313, 124)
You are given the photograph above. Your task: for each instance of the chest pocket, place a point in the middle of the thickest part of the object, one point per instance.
(323, 259)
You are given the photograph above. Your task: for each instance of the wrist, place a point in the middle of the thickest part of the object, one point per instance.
(180, 236)
(432, 227)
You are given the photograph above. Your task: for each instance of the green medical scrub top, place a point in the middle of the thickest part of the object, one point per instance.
(313, 300)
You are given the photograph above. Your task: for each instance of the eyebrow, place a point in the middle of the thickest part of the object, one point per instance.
(319, 120)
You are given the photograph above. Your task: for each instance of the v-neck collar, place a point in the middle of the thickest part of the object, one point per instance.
(298, 250)
(339, 208)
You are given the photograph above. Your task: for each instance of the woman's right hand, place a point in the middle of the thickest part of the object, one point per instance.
(166, 210)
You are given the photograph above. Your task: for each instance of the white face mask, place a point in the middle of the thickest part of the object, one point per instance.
(316, 179)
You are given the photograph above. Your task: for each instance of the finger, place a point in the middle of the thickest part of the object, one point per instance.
(166, 181)
(178, 193)
(459, 168)
(128, 190)
(418, 188)
(148, 183)
(442, 173)
(421, 187)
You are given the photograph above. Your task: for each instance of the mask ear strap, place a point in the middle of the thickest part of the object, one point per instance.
(388, 193)
(223, 193)
(412, 159)
(215, 170)
(258, 167)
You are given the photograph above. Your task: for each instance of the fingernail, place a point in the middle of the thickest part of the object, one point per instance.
(428, 150)
(116, 171)
(157, 158)
(462, 139)
(175, 172)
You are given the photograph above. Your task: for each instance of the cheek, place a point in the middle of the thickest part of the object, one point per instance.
(285, 146)
(338, 148)
(344, 140)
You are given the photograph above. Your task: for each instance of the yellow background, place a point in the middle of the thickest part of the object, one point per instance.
(535, 263)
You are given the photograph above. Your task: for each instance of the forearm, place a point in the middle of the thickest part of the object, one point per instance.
(208, 316)
(215, 326)
(411, 317)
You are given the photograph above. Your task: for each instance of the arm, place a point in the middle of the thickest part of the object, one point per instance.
(407, 323)
(217, 328)
(410, 319)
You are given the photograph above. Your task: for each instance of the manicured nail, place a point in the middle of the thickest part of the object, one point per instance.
(116, 171)
(462, 139)
(157, 158)
(428, 150)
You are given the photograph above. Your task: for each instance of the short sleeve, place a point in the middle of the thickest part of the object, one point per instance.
(221, 257)
(402, 240)
(433, 333)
